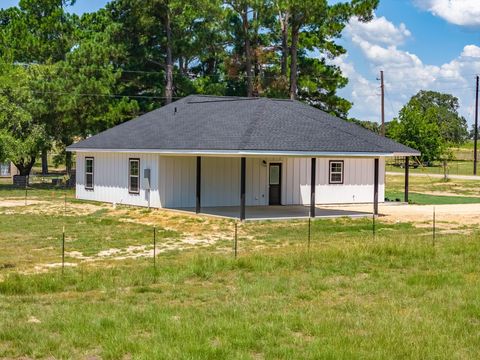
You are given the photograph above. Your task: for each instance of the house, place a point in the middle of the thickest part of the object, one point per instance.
(7, 169)
(235, 154)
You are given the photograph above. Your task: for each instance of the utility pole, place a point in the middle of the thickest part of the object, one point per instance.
(475, 132)
(383, 103)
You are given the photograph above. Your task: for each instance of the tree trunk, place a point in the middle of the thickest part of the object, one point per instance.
(248, 52)
(169, 59)
(284, 27)
(44, 162)
(68, 162)
(293, 62)
(25, 169)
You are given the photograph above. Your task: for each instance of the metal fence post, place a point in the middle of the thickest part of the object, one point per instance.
(309, 231)
(236, 239)
(154, 247)
(63, 250)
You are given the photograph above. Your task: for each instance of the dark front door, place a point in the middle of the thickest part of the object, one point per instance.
(275, 184)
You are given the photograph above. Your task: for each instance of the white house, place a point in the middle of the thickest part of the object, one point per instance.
(205, 152)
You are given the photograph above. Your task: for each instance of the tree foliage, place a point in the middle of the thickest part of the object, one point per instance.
(85, 74)
(453, 127)
(21, 135)
(430, 123)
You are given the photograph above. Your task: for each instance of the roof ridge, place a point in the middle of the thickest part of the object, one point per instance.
(254, 122)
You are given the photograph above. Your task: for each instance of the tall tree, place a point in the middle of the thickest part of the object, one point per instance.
(313, 25)
(21, 136)
(243, 8)
(88, 84)
(40, 32)
(429, 122)
(452, 125)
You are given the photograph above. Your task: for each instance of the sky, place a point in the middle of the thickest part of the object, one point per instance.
(419, 44)
(80, 7)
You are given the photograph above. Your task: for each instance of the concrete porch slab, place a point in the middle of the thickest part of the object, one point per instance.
(276, 212)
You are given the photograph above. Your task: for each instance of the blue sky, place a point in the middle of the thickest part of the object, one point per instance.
(80, 7)
(420, 44)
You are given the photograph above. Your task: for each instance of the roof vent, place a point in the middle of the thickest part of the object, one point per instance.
(175, 110)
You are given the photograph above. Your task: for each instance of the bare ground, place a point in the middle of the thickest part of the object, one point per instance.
(464, 214)
(199, 231)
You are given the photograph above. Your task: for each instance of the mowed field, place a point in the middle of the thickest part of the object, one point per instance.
(402, 293)
(461, 163)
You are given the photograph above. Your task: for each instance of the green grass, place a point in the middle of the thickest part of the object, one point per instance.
(461, 165)
(426, 199)
(350, 296)
(434, 186)
(393, 297)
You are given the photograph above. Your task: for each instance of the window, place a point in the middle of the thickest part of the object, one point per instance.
(89, 173)
(336, 172)
(5, 169)
(134, 176)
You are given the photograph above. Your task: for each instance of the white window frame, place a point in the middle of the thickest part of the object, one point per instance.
(92, 173)
(330, 172)
(130, 176)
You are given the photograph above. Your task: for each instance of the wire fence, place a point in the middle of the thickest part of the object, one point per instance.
(102, 236)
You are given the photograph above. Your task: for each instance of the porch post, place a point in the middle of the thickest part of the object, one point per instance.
(375, 187)
(407, 171)
(312, 187)
(243, 166)
(198, 205)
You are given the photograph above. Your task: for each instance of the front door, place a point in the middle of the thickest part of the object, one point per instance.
(275, 184)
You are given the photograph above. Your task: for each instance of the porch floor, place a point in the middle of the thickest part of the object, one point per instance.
(284, 212)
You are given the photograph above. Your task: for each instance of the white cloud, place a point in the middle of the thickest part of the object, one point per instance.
(379, 30)
(458, 12)
(471, 51)
(405, 73)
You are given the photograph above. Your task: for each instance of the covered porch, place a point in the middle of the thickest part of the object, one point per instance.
(245, 211)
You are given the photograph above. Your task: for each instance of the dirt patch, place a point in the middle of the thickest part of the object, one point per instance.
(190, 225)
(16, 203)
(40, 207)
(141, 251)
(43, 268)
(447, 216)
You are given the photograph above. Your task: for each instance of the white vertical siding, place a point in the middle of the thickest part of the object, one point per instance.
(357, 186)
(111, 179)
(173, 180)
(176, 176)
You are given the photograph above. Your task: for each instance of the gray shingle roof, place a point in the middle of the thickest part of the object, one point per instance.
(202, 123)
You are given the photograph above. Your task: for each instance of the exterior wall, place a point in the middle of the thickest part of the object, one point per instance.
(220, 181)
(173, 180)
(357, 186)
(8, 170)
(111, 179)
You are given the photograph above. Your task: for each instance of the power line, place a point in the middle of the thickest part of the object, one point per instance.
(193, 75)
(101, 95)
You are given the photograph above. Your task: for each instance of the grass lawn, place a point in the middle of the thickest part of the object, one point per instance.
(434, 186)
(351, 296)
(462, 165)
(457, 167)
(426, 199)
